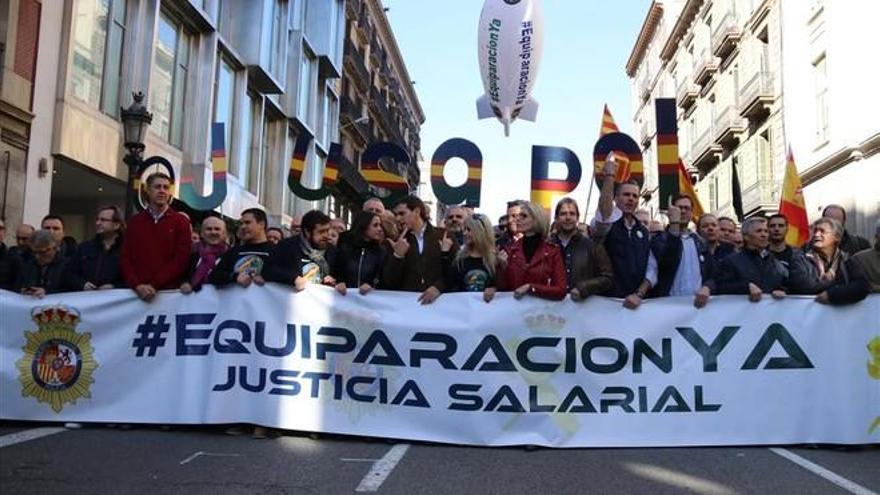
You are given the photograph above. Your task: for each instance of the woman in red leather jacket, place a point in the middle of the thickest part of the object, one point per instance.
(532, 265)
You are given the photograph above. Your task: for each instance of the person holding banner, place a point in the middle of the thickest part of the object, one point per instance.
(474, 269)
(43, 272)
(625, 239)
(532, 264)
(95, 263)
(206, 254)
(416, 262)
(752, 271)
(306, 258)
(243, 264)
(827, 270)
(680, 263)
(587, 266)
(360, 256)
(157, 244)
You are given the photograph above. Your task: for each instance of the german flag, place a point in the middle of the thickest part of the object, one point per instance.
(792, 205)
(687, 188)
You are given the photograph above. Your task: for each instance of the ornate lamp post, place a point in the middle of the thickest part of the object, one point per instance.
(135, 121)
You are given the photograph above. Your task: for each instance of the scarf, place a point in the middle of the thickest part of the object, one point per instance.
(316, 255)
(827, 270)
(208, 255)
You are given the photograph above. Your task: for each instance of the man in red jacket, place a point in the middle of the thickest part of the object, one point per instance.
(156, 249)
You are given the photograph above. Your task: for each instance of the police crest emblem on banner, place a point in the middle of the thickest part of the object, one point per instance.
(58, 361)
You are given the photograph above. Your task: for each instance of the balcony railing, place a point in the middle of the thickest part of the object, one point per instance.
(645, 86)
(686, 93)
(757, 95)
(647, 131)
(726, 34)
(705, 65)
(704, 152)
(729, 126)
(356, 60)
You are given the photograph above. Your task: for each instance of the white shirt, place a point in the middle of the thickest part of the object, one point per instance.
(420, 237)
(688, 278)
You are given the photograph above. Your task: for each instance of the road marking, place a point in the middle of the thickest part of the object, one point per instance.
(28, 435)
(206, 454)
(382, 469)
(818, 470)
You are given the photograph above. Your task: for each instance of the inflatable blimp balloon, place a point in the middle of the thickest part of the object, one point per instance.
(510, 42)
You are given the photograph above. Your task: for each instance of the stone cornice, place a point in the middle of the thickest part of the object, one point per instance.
(649, 27)
(685, 19)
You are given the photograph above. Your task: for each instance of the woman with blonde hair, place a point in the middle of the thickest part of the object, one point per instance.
(531, 265)
(474, 268)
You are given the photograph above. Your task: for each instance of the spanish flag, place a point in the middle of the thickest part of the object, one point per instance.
(608, 126)
(792, 205)
(686, 188)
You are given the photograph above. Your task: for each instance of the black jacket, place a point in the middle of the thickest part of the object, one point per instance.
(92, 263)
(667, 249)
(849, 285)
(852, 244)
(10, 268)
(738, 270)
(50, 277)
(358, 263)
(288, 261)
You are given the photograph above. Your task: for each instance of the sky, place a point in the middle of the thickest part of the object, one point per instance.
(586, 46)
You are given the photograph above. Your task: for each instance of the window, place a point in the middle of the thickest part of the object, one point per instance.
(168, 80)
(328, 116)
(224, 98)
(304, 108)
(99, 29)
(820, 82)
(243, 173)
(335, 15)
(278, 41)
(258, 173)
(297, 14)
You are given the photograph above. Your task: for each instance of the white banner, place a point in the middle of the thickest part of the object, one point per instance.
(460, 371)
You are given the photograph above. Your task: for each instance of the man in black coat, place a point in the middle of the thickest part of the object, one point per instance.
(10, 264)
(305, 258)
(244, 263)
(95, 263)
(752, 271)
(42, 273)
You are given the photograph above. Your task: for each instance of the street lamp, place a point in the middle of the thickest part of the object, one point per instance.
(135, 120)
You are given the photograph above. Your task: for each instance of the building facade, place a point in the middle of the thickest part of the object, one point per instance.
(379, 103)
(19, 39)
(751, 78)
(270, 70)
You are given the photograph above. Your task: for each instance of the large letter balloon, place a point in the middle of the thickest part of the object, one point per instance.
(467, 193)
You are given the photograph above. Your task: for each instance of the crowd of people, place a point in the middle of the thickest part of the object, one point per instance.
(622, 253)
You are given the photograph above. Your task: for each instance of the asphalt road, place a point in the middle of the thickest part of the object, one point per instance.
(97, 459)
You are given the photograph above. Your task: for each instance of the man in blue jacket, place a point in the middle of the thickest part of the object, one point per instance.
(680, 263)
